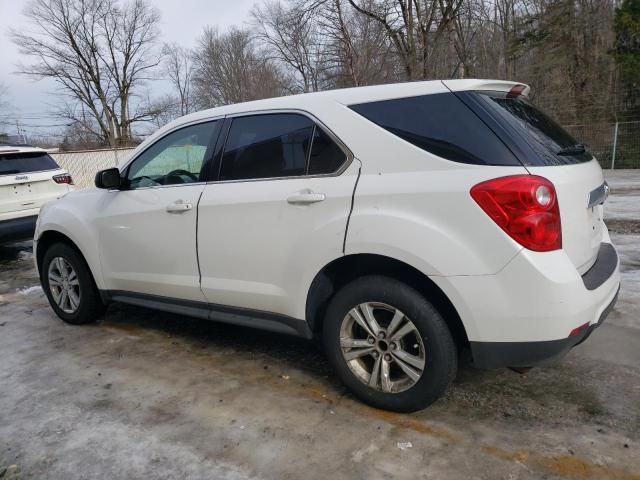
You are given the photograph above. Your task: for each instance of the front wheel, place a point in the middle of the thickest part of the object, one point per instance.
(389, 345)
(69, 285)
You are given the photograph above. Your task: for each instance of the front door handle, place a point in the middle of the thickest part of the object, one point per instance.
(179, 206)
(306, 198)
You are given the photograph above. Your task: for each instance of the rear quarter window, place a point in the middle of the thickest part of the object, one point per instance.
(325, 156)
(440, 124)
(16, 163)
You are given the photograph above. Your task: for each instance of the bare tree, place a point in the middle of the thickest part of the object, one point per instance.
(99, 52)
(466, 25)
(227, 69)
(417, 28)
(357, 50)
(77, 137)
(179, 71)
(290, 33)
(4, 104)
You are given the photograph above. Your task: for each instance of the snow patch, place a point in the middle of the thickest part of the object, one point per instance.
(30, 290)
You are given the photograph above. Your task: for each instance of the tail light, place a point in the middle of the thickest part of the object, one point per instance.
(525, 207)
(63, 178)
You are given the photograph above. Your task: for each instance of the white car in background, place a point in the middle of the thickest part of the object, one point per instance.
(401, 223)
(29, 177)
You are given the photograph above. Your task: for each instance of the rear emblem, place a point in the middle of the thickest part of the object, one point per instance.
(22, 177)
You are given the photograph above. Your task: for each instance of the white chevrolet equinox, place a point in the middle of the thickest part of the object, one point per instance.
(403, 224)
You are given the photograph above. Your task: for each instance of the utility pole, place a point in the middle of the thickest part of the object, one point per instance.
(21, 136)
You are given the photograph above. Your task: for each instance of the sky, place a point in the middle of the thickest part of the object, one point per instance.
(182, 22)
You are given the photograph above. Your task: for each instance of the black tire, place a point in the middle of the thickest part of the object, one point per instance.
(441, 356)
(90, 306)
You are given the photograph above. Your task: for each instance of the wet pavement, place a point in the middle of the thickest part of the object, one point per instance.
(143, 394)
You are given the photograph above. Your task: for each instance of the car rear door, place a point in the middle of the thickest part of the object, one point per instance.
(147, 230)
(276, 214)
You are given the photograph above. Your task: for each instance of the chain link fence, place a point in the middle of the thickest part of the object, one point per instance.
(615, 145)
(83, 165)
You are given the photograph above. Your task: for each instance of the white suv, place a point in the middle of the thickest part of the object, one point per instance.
(402, 223)
(29, 177)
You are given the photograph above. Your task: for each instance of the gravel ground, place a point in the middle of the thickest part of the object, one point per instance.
(145, 395)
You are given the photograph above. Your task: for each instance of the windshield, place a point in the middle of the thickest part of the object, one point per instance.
(15, 163)
(553, 144)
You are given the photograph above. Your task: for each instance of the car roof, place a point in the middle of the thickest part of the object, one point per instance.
(8, 148)
(353, 95)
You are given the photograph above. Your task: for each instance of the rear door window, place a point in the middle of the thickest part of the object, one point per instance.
(267, 146)
(17, 163)
(551, 143)
(440, 124)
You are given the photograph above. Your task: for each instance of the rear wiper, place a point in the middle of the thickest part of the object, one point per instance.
(577, 149)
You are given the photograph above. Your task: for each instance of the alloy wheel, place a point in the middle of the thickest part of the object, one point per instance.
(382, 347)
(64, 285)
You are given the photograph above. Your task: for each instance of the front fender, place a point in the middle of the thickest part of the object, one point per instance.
(57, 216)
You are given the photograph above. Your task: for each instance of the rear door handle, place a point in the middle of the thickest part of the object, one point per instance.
(179, 206)
(306, 198)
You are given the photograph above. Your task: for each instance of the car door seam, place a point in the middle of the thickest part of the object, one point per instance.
(197, 245)
(353, 196)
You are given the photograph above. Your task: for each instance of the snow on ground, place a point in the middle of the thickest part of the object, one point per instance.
(624, 202)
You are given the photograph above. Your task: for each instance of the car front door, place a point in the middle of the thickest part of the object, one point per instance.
(148, 228)
(276, 214)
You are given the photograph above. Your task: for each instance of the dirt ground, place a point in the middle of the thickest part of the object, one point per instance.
(147, 395)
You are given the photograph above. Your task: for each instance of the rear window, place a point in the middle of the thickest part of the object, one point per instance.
(543, 134)
(15, 163)
(442, 125)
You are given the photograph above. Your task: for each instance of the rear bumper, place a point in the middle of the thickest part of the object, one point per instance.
(524, 315)
(529, 354)
(17, 228)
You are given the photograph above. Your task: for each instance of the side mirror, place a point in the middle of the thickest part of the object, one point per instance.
(108, 179)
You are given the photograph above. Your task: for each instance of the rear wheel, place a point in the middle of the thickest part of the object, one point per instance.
(69, 285)
(389, 345)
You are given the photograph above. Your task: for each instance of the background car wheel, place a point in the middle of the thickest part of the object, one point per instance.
(389, 345)
(69, 285)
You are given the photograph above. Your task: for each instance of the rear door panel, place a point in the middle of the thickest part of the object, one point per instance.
(258, 251)
(261, 241)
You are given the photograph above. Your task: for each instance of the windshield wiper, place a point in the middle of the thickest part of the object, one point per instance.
(577, 149)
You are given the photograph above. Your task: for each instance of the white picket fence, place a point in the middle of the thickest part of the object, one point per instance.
(83, 165)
